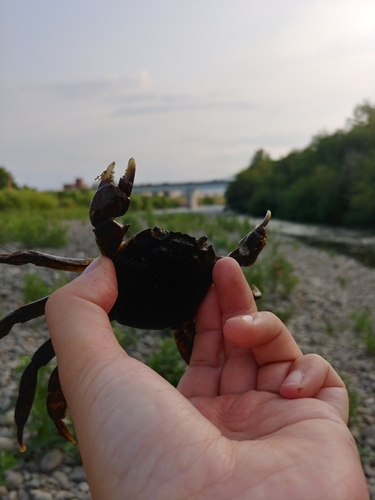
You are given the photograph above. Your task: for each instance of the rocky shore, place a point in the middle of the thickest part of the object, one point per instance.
(332, 290)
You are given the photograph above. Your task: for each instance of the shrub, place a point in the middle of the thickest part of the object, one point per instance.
(32, 229)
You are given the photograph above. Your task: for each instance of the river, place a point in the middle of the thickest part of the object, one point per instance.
(358, 244)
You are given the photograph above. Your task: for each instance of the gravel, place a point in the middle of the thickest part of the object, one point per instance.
(330, 291)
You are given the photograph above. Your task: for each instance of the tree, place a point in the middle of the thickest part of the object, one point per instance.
(6, 179)
(331, 181)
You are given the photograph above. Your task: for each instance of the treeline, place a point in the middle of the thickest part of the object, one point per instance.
(332, 181)
(13, 198)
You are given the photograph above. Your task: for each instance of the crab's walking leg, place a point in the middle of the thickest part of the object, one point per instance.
(44, 260)
(184, 338)
(22, 314)
(27, 388)
(56, 405)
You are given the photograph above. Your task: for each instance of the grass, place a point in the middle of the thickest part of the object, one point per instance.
(167, 362)
(32, 229)
(35, 288)
(353, 400)
(364, 327)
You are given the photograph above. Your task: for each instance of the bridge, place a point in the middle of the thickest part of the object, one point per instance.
(191, 190)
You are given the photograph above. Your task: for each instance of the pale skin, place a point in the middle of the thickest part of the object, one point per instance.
(252, 418)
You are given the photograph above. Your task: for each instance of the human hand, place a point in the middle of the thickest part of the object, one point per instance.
(238, 427)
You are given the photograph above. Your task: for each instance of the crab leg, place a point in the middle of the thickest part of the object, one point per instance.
(44, 260)
(56, 405)
(184, 338)
(27, 388)
(22, 314)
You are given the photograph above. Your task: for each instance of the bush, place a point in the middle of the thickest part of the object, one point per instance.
(32, 230)
(26, 199)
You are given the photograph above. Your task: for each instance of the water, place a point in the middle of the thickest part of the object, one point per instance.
(357, 244)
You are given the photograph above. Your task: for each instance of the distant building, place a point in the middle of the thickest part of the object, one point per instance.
(79, 184)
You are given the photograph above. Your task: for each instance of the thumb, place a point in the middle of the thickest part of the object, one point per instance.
(77, 319)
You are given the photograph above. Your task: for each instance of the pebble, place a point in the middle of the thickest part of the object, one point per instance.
(62, 478)
(330, 291)
(52, 459)
(78, 474)
(6, 443)
(13, 479)
(40, 495)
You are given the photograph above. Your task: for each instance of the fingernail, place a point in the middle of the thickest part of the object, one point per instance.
(248, 318)
(91, 266)
(294, 378)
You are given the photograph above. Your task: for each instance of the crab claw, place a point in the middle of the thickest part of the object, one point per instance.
(250, 246)
(109, 202)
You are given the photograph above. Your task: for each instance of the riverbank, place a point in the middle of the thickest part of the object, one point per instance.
(331, 290)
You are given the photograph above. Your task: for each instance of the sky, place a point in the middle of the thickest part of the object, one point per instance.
(190, 89)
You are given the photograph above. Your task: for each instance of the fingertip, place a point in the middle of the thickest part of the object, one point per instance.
(308, 375)
(234, 294)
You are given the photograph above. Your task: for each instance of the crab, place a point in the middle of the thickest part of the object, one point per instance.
(162, 276)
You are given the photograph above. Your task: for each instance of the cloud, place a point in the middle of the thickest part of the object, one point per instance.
(136, 95)
(170, 103)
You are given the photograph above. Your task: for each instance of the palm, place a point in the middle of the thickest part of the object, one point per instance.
(263, 437)
(238, 388)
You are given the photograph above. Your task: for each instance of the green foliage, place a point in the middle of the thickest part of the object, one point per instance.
(364, 326)
(74, 198)
(331, 181)
(125, 335)
(353, 400)
(167, 362)
(35, 288)
(26, 199)
(6, 179)
(143, 202)
(8, 460)
(32, 229)
(272, 274)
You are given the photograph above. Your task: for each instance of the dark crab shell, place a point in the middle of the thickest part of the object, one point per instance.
(167, 274)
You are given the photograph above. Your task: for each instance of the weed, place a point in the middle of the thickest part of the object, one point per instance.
(341, 281)
(284, 314)
(26, 199)
(8, 460)
(125, 335)
(167, 362)
(364, 326)
(330, 328)
(35, 288)
(353, 400)
(32, 229)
